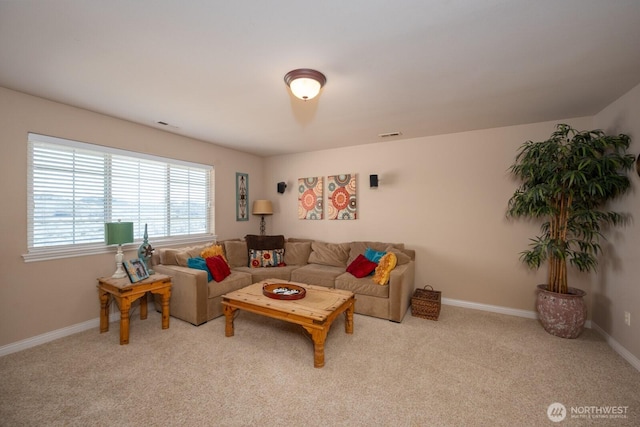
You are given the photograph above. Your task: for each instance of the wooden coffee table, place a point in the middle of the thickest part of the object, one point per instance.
(315, 312)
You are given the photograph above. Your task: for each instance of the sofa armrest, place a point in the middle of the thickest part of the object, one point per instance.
(401, 287)
(189, 292)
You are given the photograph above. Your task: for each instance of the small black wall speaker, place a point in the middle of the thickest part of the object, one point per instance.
(281, 187)
(373, 181)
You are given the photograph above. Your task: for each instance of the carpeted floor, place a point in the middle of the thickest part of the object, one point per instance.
(470, 368)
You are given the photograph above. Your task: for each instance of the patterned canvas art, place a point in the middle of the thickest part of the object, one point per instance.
(342, 197)
(310, 198)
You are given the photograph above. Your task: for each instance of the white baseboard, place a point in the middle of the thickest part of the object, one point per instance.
(54, 335)
(497, 309)
(115, 317)
(491, 308)
(615, 345)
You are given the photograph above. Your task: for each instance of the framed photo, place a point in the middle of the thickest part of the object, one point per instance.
(136, 270)
(242, 196)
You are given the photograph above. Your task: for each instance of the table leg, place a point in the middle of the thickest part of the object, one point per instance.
(348, 315)
(228, 314)
(143, 307)
(104, 310)
(318, 336)
(125, 304)
(165, 296)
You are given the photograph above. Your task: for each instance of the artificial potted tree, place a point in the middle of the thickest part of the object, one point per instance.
(566, 182)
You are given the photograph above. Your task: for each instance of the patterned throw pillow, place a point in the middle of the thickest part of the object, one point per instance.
(383, 270)
(266, 258)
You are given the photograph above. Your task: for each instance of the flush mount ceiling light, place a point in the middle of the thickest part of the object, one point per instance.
(305, 83)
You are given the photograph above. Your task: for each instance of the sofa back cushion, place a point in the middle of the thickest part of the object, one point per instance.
(297, 253)
(359, 248)
(236, 253)
(401, 256)
(179, 256)
(333, 254)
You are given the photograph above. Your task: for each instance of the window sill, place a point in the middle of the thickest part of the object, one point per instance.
(47, 254)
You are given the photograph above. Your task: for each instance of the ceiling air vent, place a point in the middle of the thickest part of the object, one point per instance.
(388, 134)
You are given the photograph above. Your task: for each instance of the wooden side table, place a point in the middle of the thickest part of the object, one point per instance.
(124, 293)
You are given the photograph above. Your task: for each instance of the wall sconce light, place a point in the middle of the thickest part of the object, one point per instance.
(281, 187)
(262, 208)
(373, 181)
(305, 83)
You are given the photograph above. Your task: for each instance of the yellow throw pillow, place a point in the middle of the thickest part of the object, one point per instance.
(212, 251)
(383, 271)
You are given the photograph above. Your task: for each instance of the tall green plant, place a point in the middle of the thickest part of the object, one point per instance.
(566, 181)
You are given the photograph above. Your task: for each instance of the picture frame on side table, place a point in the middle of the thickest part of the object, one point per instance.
(136, 270)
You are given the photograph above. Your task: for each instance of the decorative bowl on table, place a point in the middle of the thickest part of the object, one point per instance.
(285, 291)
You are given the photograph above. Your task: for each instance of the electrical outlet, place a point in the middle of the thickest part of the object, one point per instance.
(627, 318)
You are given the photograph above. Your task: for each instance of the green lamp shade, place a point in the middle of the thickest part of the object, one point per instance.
(118, 233)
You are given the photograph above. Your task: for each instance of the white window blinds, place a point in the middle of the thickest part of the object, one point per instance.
(74, 188)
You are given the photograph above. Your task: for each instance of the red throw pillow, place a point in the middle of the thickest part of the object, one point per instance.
(361, 266)
(218, 267)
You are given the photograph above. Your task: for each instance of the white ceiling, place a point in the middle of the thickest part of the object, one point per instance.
(214, 69)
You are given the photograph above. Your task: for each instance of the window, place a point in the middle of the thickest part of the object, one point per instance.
(74, 188)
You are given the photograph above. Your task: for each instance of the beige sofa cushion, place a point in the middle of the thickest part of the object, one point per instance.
(402, 257)
(181, 255)
(363, 286)
(297, 253)
(236, 252)
(316, 274)
(333, 254)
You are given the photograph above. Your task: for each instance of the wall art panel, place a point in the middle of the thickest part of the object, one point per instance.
(342, 197)
(310, 204)
(242, 196)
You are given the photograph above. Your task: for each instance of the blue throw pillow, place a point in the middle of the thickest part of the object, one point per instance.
(373, 255)
(199, 264)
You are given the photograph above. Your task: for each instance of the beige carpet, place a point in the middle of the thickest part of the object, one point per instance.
(469, 368)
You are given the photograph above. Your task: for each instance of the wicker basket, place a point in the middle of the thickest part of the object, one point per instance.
(425, 303)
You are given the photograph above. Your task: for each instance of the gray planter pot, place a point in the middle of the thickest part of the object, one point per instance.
(562, 315)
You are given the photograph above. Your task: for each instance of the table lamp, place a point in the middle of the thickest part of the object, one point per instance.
(262, 208)
(118, 233)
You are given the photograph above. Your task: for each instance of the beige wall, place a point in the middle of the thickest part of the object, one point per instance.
(40, 297)
(444, 196)
(617, 286)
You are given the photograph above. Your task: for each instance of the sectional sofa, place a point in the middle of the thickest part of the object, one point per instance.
(196, 299)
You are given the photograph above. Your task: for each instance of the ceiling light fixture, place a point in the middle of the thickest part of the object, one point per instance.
(305, 83)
